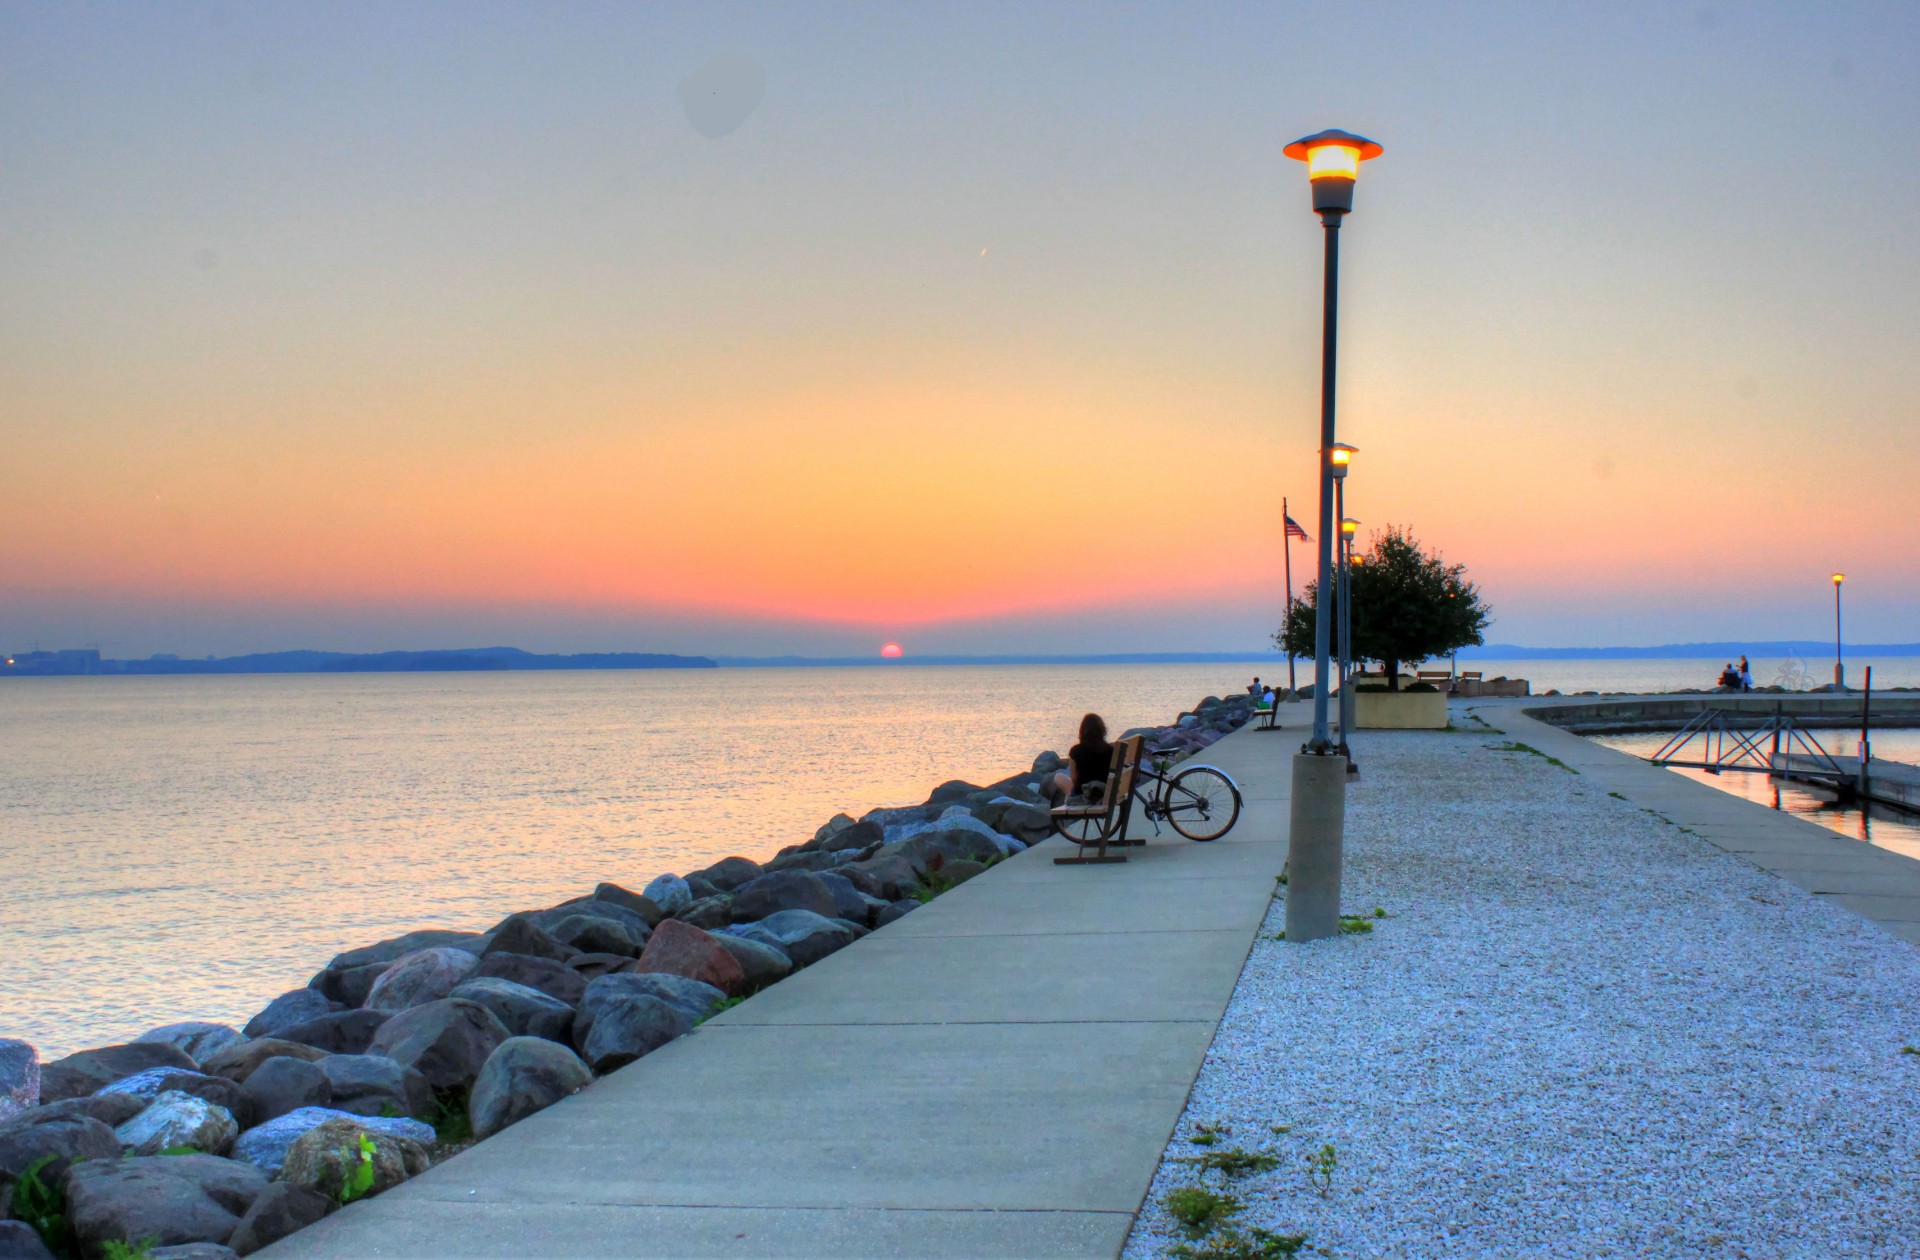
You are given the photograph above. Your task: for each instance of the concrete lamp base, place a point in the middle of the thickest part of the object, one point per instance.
(1316, 838)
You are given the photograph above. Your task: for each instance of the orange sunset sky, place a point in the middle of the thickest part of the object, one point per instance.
(984, 328)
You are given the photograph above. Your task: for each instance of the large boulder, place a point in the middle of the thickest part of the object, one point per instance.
(446, 1041)
(415, 979)
(762, 964)
(201, 1041)
(709, 912)
(217, 1090)
(286, 1084)
(519, 934)
(325, 1155)
(348, 986)
(1020, 819)
(592, 934)
(555, 979)
(19, 1078)
(782, 890)
(636, 924)
(700, 887)
(952, 790)
(63, 1138)
(592, 966)
(287, 1011)
(237, 1063)
(159, 1201)
(175, 1119)
(730, 872)
(894, 911)
(694, 997)
(855, 835)
(802, 935)
(86, 1071)
(112, 1110)
(637, 903)
(626, 1026)
(397, 947)
(681, 949)
(525, 1011)
(522, 1076)
(18, 1241)
(266, 1146)
(281, 1209)
(888, 876)
(849, 902)
(669, 892)
(343, 1032)
(958, 835)
(374, 1085)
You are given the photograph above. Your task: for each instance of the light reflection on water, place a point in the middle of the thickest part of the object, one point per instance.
(1895, 830)
(186, 848)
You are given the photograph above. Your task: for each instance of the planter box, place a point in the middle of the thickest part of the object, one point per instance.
(1400, 710)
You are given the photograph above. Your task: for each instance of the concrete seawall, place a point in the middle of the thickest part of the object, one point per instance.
(1619, 715)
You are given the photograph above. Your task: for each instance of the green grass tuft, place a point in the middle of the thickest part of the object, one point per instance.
(1199, 1210)
(1516, 746)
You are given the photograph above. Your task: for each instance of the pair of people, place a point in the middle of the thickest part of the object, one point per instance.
(1087, 764)
(1740, 679)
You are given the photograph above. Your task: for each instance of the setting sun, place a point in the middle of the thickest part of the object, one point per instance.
(890, 650)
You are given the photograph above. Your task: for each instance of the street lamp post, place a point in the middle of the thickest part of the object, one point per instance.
(1317, 821)
(1349, 530)
(1839, 661)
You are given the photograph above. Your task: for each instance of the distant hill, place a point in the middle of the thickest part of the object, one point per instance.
(311, 662)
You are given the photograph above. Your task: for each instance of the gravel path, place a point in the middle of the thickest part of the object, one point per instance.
(1580, 1032)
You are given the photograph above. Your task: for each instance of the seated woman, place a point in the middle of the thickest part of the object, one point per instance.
(1087, 764)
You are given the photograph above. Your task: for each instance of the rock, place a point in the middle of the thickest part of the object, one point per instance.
(324, 1155)
(555, 979)
(344, 1032)
(591, 934)
(708, 912)
(176, 1119)
(86, 1071)
(348, 986)
(373, 1085)
(700, 887)
(849, 902)
(295, 1007)
(522, 1076)
(159, 1200)
(1048, 763)
(18, 1241)
(833, 826)
(65, 1139)
(626, 1026)
(286, 1084)
(1024, 821)
(280, 1210)
(237, 1063)
(645, 907)
(192, 1251)
(670, 893)
(266, 1147)
(763, 964)
(201, 1041)
(952, 790)
(636, 924)
(783, 890)
(692, 998)
(418, 978)
(960, 835)
(525, 1011)
(112, 1110)
(854, 836)
(804, 936)
(447, 1041)
(895, 910)
(889, 876)
(684, 950)
(730, 872)
(518, 934)
(19, 1078)
(960, 871)
(150, 1084)
(801, 860)
(592, 966)
(397, 947)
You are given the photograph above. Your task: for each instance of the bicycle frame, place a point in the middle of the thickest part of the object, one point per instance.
(1159, 804)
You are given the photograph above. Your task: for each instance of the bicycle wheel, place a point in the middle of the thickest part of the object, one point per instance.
(1080, 830)
(1202, 803)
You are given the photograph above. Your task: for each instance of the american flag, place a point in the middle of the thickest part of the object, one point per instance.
(1294, 530)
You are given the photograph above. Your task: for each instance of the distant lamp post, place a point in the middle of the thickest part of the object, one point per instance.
(1315, 837)
(1839, 660)
(1349, 531)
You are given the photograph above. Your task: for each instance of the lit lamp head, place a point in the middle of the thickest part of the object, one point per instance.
(1333, 160)
(1348, 528)
(1839, 578)
(1340, 455)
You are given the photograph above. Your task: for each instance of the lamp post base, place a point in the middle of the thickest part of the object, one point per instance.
(1316, 835)
(1840, 676)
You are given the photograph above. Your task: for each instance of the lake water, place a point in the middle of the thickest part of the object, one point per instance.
(187, 848)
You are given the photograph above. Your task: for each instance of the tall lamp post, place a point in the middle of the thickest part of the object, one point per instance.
(1317, 823)
(1839, 661)
(1349, 530)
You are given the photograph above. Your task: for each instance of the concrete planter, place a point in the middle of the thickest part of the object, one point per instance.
(1400, 710)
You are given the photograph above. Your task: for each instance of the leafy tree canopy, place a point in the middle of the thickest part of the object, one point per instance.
(1408, 606)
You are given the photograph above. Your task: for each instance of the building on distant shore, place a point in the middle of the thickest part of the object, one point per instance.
(64, 661)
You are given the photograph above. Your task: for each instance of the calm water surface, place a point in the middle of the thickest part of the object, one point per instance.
(187, 848)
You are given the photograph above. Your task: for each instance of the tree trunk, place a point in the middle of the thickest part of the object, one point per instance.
(1393, 674)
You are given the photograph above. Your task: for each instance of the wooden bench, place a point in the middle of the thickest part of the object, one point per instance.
(1441, 678)
(1103, 826)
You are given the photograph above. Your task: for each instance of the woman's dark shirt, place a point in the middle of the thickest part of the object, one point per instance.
(1090, 762)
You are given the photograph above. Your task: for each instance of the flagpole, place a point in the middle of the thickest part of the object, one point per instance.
(1286, 534)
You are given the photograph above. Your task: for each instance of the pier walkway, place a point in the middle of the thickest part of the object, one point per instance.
(996, 1074)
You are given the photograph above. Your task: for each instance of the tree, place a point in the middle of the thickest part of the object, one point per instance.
(1408, 606)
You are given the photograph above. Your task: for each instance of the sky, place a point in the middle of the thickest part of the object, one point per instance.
(763, 329)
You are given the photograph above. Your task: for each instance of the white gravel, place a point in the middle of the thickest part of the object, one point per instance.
(1581, 1032)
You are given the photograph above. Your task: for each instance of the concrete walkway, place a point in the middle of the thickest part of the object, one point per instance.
(995, 1075)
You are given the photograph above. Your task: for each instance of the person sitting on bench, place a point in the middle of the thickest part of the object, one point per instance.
(1088, 763)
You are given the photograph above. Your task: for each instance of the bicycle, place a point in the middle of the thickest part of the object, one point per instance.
(1200, 802)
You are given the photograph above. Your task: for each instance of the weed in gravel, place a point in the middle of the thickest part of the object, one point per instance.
(1320, 1168)
(1355, 924)
(1199, 1210)
(1233, 1161)
(1232, 1244)
(1616, 796)
(1514, 745)
(1910, 1049)
(1208, 1134)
